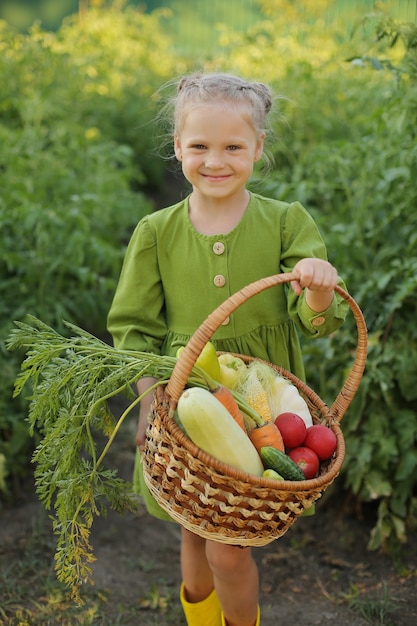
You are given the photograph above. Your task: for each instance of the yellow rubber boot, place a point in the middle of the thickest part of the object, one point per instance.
(204, 613)
(257, 623)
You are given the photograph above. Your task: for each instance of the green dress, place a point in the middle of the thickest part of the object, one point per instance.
(173, 277)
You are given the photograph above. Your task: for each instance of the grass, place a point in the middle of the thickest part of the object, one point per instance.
(32, 596)
(375, 611)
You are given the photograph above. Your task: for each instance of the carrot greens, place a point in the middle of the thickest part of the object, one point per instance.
(70, 382)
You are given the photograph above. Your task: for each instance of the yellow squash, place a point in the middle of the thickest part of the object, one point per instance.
(211, 427)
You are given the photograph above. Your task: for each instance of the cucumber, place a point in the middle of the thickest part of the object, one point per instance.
(281, 463)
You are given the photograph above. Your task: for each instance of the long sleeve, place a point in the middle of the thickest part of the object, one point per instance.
(136, 318)
(301, 239)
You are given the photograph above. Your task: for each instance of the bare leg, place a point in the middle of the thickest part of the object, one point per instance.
(236, 581)
(196, 572)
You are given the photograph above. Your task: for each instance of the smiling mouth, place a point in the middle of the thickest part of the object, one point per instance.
(216, 178)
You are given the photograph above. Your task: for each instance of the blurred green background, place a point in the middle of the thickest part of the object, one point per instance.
(237, 13)
(80, 163)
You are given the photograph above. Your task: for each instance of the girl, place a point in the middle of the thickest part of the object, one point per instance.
(185, 260)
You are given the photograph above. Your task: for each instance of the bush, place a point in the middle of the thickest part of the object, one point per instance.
(347, 151)
(75, 155)
(354, 163)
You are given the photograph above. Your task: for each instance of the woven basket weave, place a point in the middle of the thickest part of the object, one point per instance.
(212, 499)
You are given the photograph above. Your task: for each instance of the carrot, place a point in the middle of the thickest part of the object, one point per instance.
(267, 435)
(225, 396)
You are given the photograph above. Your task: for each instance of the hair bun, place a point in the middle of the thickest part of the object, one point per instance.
(188, 81)
(265, 93)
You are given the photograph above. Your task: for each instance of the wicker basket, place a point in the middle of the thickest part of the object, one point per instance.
(212, 499)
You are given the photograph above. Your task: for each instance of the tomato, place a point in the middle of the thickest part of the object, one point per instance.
(232, 369)
(306, 459)
(292, 428)
(208, 360)
(322, 440)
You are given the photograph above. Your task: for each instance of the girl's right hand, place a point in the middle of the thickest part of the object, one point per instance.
(318, 278)
(314, 275)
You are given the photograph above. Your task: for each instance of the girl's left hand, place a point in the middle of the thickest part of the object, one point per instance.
(315, 275)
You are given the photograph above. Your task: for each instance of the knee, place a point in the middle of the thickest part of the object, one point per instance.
(227, 560)
(192, 540)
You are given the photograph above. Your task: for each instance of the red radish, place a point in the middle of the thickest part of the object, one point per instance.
(306, 459)
(292, 428)
(322, 440)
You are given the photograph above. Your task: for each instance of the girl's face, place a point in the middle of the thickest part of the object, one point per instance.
(218, 147)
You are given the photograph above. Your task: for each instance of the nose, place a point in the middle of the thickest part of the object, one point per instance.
(213, 161)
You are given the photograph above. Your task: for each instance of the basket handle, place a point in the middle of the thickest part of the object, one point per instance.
(202, 335)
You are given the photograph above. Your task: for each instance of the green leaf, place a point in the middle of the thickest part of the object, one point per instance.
(72, 379)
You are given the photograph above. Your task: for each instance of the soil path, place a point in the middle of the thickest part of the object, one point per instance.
(319, 573)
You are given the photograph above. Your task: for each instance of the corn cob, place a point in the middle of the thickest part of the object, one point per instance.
(256, 396)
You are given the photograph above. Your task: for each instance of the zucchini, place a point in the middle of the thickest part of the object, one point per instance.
(281, 463)
(212, 428)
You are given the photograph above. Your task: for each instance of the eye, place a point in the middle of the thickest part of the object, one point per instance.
(198, 146)
(233, 148)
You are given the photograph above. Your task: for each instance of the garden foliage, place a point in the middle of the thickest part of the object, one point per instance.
(349, 153)
(75, 139)
(76, 156)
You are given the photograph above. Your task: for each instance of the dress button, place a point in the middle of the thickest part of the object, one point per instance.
(318, 321)
(226, 321)
(218, 247)
(219, 280)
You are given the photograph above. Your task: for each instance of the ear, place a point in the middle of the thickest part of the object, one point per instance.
(177, 148)
(260, 147)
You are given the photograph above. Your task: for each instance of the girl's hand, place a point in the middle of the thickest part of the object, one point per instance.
(319, 278)
(143, 385)
(141, 431)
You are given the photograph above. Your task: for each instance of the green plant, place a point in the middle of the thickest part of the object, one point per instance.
(72, 381)
(361, 189)
(31, 593)
(75, 146)
(121, 58)
(374, 611)
(347, 151)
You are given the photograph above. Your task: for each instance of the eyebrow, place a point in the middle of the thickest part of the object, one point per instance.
(230, 141)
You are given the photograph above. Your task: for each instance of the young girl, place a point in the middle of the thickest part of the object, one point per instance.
(185, 260)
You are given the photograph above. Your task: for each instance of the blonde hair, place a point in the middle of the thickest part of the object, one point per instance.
(254, 98)
(197, 89)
